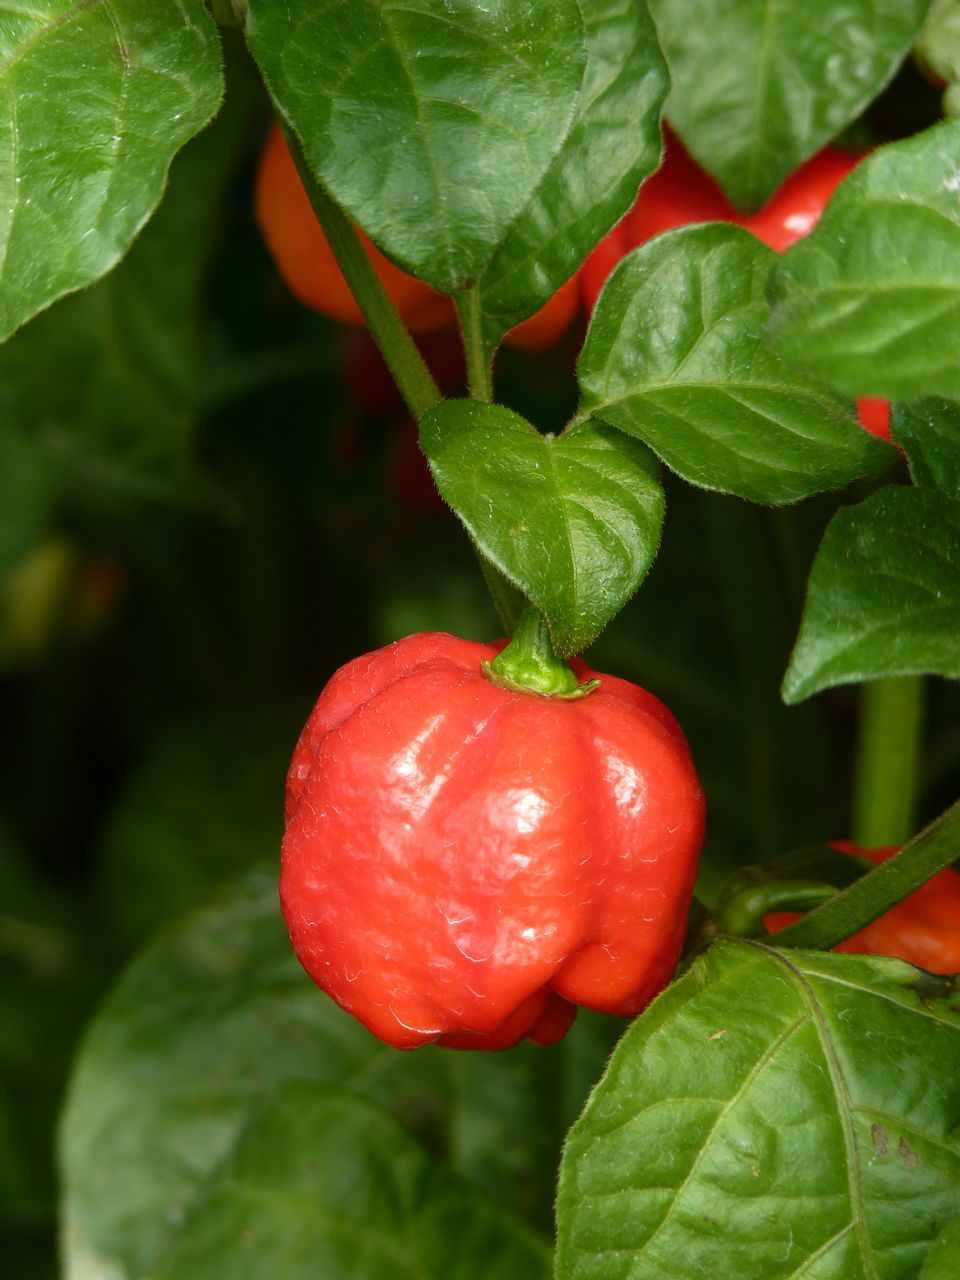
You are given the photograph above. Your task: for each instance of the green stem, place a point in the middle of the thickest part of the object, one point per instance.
(886, 774)
(530, 664)
(479, 364)
(413, 378)
(742, 914)
(848, 912)
(508, 599)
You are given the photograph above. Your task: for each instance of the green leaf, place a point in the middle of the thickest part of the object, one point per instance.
(99, 99)
(613, 146)
(574, 520)
(770, 1116)
(430, 123)
(675, 356)
(205, 1026)
(760, 85)
(871, 298)
(943, 1260)
(929, 432)
(324, 1184)
(884, 594)
(127, 352)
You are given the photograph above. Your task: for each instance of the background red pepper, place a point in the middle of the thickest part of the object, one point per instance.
(924, 928)
(464, 864)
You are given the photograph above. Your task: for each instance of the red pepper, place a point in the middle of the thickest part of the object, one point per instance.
(924, 928)
(464, 864)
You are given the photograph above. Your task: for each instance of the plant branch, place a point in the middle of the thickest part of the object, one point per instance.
(848, 912)
(479, 367)
(406, 364)
(885, 782)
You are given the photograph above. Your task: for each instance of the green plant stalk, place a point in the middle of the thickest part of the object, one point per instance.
(742, 913)
(406, 364)
(479, 363)
(508, 600)
(530, 664)
(886, 773)
(414, 380)
(848, 912)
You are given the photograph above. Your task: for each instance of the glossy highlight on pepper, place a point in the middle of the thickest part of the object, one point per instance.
(465, 864)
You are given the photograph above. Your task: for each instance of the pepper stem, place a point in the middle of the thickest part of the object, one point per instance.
(742, 913)
(530, 664)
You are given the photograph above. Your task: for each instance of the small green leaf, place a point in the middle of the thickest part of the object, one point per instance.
(432, 123)
(99, 99)
(929, 431)
(760, 85)
(884, 594)
(324, 1184)
(871, 298)
(613, 146)
(770, 1116)
(574, 520)
(201, 1031)
(675, 356)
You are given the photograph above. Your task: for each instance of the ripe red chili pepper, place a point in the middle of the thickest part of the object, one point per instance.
(924, 928)
(464, 864)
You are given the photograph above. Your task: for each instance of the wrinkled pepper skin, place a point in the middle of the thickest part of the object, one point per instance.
(923, 929)
(463, 864)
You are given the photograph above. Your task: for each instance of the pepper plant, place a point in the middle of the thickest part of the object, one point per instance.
(202, 520)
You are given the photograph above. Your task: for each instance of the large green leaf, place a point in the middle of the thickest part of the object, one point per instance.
(127, 352)
(884, 594)
(675, 356)
(574, 520)
(760, 85)
(431, 123)
(771, 1115)
(99, 97)
(198, 1035)
(871, 298)
(324, 1184)
(613, 146)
